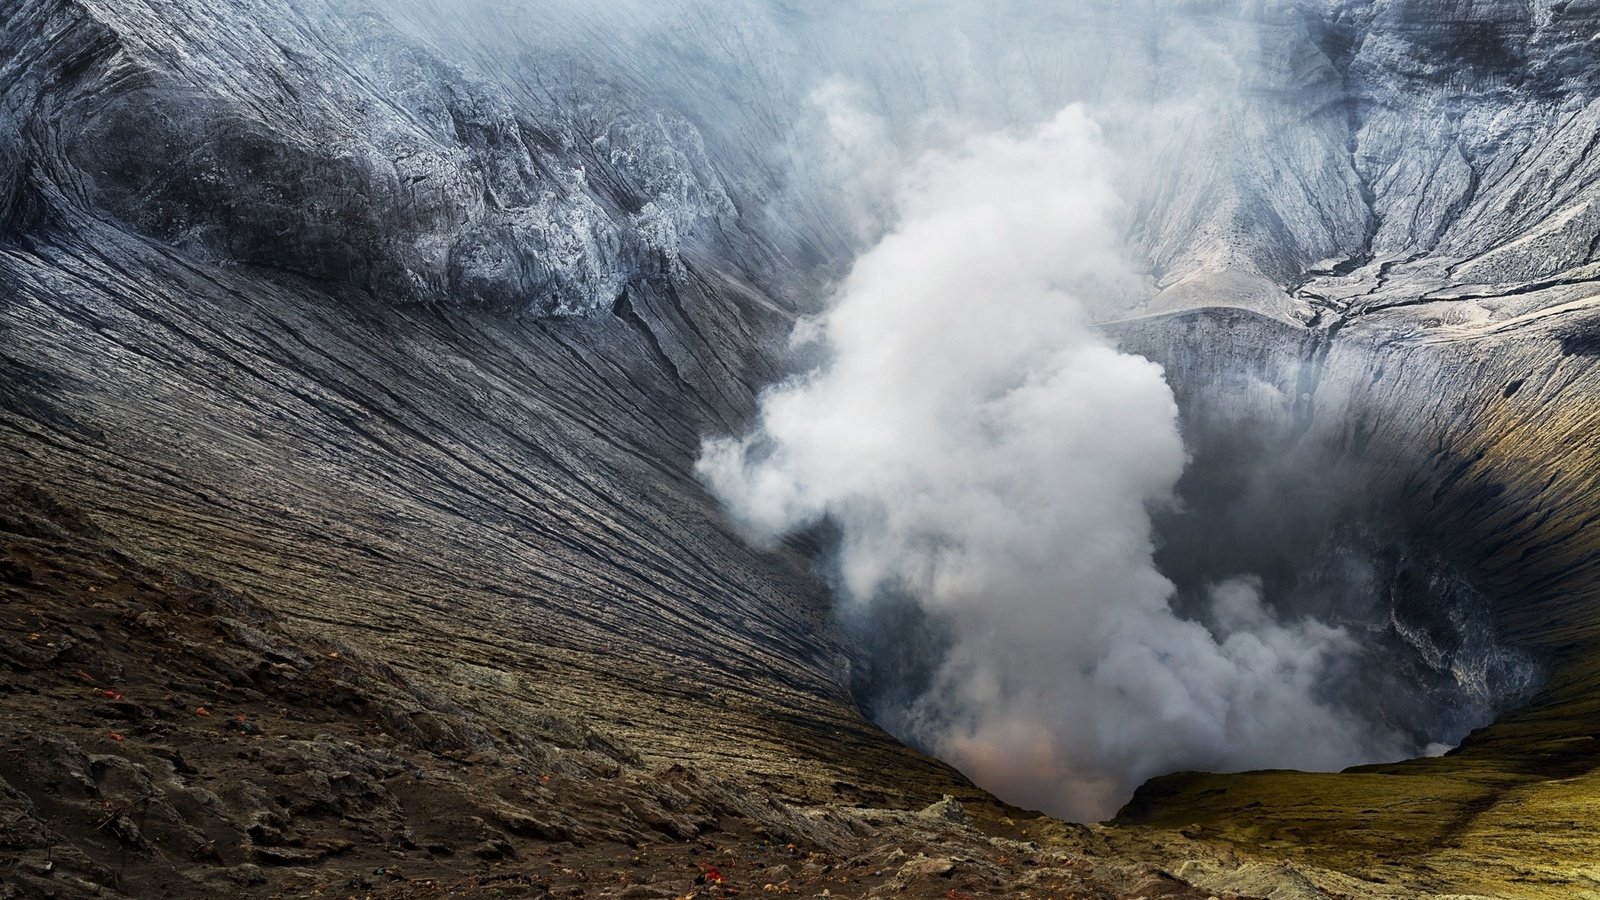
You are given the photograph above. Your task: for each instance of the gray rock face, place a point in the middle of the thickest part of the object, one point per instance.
(315, 139)
(11, 177)
(1475, 133)
(429, 156)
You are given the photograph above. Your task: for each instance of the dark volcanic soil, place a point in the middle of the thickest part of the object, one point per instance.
(163, 735)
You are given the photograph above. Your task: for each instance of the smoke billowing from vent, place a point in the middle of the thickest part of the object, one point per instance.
(1029, 600)
(991, 461)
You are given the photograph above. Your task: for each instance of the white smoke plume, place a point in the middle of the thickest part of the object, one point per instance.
(985, 452)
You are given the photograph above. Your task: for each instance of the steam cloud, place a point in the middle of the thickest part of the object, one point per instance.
(991, 458)
(992, 464)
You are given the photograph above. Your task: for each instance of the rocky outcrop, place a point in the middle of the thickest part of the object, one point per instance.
(315, 139)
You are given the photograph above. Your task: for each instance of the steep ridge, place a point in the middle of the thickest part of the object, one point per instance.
(498, 506)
